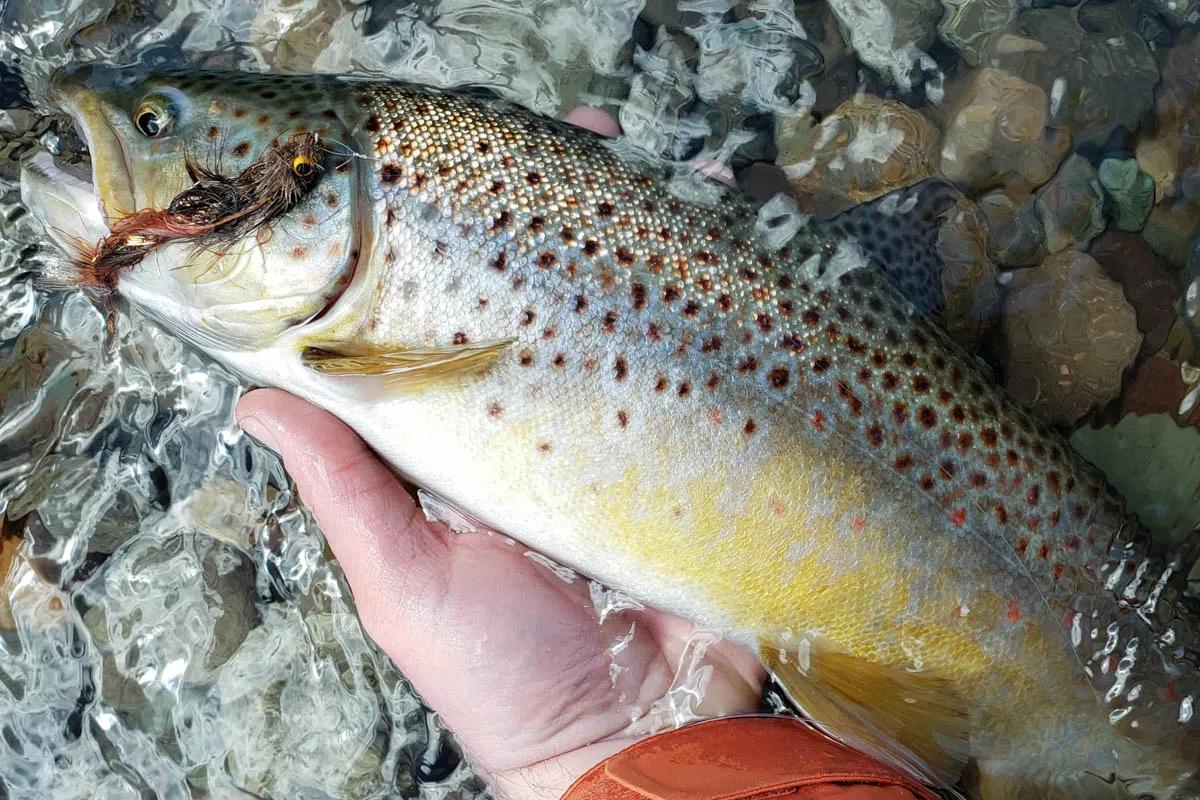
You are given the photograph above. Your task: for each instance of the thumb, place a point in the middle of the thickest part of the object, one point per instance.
(395, 561)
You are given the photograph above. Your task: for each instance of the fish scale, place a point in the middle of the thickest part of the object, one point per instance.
(774, 443)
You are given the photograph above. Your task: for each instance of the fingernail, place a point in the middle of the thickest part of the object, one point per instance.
(259, 432)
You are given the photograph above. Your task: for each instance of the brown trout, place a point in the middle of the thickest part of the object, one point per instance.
(770, 440)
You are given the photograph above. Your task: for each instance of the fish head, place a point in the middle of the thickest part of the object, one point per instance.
(153, 135)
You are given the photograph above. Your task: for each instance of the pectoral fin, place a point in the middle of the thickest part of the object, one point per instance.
(408, 366)
(910, 720)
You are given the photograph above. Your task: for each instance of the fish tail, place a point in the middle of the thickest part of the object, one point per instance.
(899, 232)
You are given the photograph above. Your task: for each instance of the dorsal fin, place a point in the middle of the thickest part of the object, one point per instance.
(899, 232)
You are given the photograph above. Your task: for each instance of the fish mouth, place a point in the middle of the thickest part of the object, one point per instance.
(76, 203)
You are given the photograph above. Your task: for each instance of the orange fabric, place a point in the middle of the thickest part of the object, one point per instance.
(744, 758)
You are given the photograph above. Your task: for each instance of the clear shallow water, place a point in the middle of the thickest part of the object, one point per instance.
(170, 622)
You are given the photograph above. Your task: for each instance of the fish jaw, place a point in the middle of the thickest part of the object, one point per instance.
(112, 180)
(66, 205)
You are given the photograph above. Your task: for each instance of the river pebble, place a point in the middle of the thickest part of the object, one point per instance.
(1069, 335)
(865, 149)
(1071, 205)
(1016, 237)
(971, 295)
(998, 134)
(1131, 192)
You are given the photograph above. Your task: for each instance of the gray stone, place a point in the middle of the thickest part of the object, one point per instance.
(1177, 114)
(1071, 205)
(1069, 334)
(1098, 71)
(970, 291)
(1016, 237)
(1177, 13)
(1171, 230)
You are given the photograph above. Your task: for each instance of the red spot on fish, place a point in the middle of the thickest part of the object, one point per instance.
(875, 435)
(1058, 570)
(1014, 611)
(858, 525)
(1022, 545)
(776, 507)
(714, 415)
(1043, 550)
(958, 517)
(818, 421)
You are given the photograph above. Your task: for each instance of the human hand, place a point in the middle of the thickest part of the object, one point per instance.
(514, 658)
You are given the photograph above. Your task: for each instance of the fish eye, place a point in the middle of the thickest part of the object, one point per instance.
(303, 166)
(151, 121)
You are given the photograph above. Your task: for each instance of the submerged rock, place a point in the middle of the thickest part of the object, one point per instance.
(1150, 287)
(1131, 191)
(998, 134)
(1176, 14)
(970, 26)
(1158, 387)
(172, 613)
(971, 295)
(865, 149)
(1178, 110)
(1071, 205)
(1016, 237)
(1098, 71)
(1158, 156)
(1189, 301)
(1172, 228)
(1155, 465)
(1069, 334)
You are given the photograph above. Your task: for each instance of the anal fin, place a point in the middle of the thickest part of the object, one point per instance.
(406, 366)
(910, 720)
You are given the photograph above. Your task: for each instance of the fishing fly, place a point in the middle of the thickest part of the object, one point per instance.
(215, 211)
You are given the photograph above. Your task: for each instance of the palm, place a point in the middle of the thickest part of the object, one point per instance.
(513, 657)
